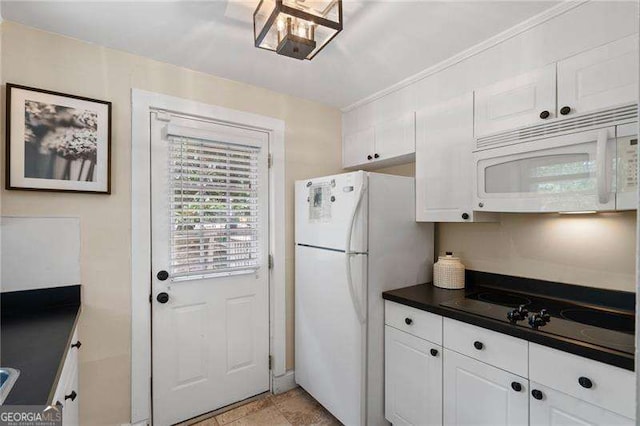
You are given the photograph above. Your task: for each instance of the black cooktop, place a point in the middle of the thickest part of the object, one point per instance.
(609, 328)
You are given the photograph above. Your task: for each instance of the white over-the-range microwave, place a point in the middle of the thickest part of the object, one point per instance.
(584, 163)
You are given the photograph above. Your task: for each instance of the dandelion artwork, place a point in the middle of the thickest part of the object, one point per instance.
(57, 141)
(60, 142)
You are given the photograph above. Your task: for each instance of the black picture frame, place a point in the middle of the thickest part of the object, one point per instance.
(53, 133)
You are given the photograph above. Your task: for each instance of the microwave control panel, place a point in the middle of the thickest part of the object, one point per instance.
(628, 164)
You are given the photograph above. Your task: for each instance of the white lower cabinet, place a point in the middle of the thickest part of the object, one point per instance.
(475, 376)
(476, 393)
(413, 379)
(593, 382)
(552, 408)
(66, 394)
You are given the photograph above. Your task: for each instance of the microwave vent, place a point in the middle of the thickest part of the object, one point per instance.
(608, 117)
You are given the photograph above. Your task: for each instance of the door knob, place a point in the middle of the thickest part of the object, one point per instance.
(434, 352)
(408, 321)
(162, 275)
(162, 297)
(516, 386)
(369, 157)
(544, 114)
(376, 155)
(71, 396)
(478, 345)
(565, 110)
(537, 394)
(77, 344)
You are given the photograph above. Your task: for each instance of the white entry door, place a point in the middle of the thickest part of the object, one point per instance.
(210, 277)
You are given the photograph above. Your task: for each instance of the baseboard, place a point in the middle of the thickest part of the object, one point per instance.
(284, 382)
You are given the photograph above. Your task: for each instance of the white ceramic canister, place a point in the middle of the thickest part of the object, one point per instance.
(448, 272)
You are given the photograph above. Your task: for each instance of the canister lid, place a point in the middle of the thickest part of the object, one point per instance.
(449, 256)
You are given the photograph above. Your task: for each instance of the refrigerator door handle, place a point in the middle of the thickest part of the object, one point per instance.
(357, 305)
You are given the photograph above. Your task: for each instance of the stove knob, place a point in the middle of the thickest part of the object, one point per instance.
(523, 311)
(536, 321)
(545, 315)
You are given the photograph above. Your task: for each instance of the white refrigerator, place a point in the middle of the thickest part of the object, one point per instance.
(356, 236)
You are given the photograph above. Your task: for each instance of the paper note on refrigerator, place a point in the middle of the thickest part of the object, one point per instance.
(320, 203)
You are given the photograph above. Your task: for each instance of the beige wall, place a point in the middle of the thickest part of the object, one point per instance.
(593, 250)
(35, 58)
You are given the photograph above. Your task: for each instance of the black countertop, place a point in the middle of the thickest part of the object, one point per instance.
(427, 297)
(36, 328)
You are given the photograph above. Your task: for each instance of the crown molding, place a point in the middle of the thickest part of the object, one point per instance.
(519, 28)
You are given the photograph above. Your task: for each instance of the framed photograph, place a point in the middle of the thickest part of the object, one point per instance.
(57, 142)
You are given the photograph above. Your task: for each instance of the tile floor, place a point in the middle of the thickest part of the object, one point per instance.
(292, 408)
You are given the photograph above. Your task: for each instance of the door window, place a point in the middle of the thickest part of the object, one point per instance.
(214, 219)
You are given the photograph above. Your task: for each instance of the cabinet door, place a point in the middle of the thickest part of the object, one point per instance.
(476, 393)
(556, 408)
(358, 147)
(599, 78)
(70, 412)
(67, 383)
(444, 162)
(520, 101)
(413, 379)
(395, 138)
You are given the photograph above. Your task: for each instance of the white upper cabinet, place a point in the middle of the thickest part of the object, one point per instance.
(603, 77)
(358, 147)
(476, 393)
(380, 133)
(599, 78)
(444, 141)
(519, 101)
(395, 138)
(381, 144)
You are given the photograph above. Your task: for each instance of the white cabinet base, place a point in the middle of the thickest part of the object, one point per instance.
(559, 409)
(479, 394)
(66, 393)
(413, 380)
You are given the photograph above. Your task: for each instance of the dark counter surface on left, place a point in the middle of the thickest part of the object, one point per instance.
(36, 328)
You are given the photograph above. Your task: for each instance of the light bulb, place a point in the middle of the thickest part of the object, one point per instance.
(302, 32)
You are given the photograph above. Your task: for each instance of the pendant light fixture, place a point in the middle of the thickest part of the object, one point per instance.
(296, 28)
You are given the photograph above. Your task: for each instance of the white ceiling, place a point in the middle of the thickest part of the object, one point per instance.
(382, 42)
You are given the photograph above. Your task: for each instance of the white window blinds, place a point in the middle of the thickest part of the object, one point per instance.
(213, 208)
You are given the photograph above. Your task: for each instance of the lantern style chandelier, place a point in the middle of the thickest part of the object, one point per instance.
(296, 28)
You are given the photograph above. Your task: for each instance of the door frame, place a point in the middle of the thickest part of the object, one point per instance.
(142, 104)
